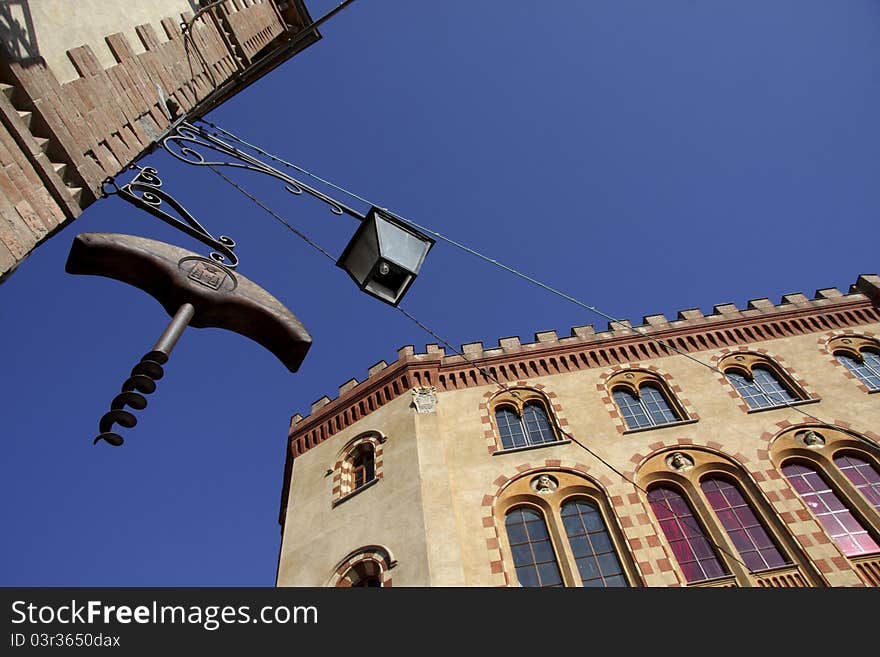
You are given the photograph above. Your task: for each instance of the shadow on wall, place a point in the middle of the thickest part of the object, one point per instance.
(17, 34)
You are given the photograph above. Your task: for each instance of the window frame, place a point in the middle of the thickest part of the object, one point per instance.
(854, 347)
(687, 480)
(344, 473)
(631, 381)
(745, 363)
(571, 487)
(516, 401)
(790, 446)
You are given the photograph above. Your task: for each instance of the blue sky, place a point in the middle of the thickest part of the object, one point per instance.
(642, 156)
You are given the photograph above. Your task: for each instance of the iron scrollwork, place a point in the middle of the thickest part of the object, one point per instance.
(188, 142)
(145, 192)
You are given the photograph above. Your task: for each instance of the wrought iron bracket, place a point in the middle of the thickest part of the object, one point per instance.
(195, 145)
(145, 191)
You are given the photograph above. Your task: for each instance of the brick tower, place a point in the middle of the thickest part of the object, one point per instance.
(89, 86)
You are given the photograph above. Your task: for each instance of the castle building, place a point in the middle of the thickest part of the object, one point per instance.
(733, 449)
(90, 86)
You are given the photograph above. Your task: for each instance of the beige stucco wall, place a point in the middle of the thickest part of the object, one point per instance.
(439, 470)
(49, 28)
(317, 535)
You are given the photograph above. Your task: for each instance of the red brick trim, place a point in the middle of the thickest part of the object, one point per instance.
(342, 484)
(370, 561)
(502, 572)
(826, 339)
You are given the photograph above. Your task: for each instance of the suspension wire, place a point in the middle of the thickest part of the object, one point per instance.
(665, 346)
(577, 442)
(274, 214)
(486, 373)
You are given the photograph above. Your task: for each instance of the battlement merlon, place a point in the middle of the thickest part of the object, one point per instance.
(865, 291)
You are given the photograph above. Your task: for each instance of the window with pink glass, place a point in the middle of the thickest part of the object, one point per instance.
(838, 520)
(746, 532)
(692, 549)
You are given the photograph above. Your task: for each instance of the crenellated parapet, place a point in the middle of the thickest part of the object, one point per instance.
(512, 360)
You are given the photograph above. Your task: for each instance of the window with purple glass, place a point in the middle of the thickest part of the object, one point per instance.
(746, 532)
(691, 546)
(863, 476)
(845, 529)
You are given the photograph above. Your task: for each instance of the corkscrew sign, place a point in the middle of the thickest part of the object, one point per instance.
(196, 291)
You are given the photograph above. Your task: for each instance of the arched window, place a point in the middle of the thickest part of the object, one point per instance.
(861, 357)
(591, 545)
(836, 474)
(358, 466)
(644, 400)
(647, 408)
(532, 549)
(760, 381)
(694, 552)
(363, 466)
(862, 474)
(850, 535)
(751, 539)
(368, 566)
(719, 527)
(559, 531)
(522, 420)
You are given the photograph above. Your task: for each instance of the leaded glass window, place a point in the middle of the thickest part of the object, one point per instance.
(649, 408)
(591, 545)
(866, 370)
(863, 476)
(746, 532)
(837, 519)
(533, 555)
(532, 428)
(762, 389)
(510, 428)
(691, 546)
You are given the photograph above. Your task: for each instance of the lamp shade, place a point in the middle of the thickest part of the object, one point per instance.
(384, 256)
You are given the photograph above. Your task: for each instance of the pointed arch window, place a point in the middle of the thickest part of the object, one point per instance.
(861, 357)
(844, 528)
(761, 382)
(694, 552)
(533, 555)
(644, 400)
(522, 420)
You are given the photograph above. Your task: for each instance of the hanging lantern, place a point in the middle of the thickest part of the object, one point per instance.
(384, 256)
